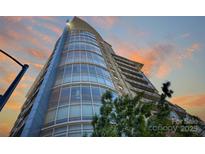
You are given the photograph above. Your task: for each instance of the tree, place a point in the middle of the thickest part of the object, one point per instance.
(103, 125)
(124, 116)
(130, 116)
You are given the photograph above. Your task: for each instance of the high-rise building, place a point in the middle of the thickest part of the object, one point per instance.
(67, 92)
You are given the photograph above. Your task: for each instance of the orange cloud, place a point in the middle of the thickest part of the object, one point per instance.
(54, 28)
(14, 33)
(19, 93)
(4, 129)
(28, 78)
(194, 104)
(38, 66)
(163, 70)
(9, 77)
(159, 60)
(190, 101)
(49, 26)
(36, 53)
(13, 106)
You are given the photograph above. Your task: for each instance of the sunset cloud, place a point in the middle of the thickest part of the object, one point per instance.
(4, 129)
(159, 59)
(15, 34)
(38, 66)
(194, 103)
(190, 101)
(37, 53)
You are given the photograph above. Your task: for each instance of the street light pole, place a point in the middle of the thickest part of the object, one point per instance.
(4, 98)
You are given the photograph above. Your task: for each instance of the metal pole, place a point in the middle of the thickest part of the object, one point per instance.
(4, 98)
(9, 91)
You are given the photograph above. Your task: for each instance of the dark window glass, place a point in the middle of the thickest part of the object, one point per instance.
(92, 69)
(87, 111)
(84, 68)
(75, 112)
(76, 68)
(68, 71)
(97, 109)
(83, 56)
(86, 95)
(99, 71)
(63, 59)
(53, 101)
(62, 114)
(70, 57)
(89, 56)
(50, 117)
(65, 95)
(77, 56)
(76, 73)
(59, 76)
(102, 90)
(96, 95)
(75, 95)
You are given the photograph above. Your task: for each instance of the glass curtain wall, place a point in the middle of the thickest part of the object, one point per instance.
(81, 79)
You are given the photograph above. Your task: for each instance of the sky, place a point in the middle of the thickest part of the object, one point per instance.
(171, 49)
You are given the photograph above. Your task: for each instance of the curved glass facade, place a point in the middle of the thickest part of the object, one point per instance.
(81, 79)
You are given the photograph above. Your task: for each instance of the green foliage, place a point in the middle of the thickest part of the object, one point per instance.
(129, 116)
(103, 125)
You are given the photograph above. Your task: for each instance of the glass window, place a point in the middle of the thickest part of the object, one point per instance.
(63, 59)
(86, 95)
(105, 73)
(87, 126)
(75, 112)
(99, 71)
(97, 109)
(92, 69)
(50, 116)
(93, 78)
(62, 114)
(108, 82)
(60, 130)
(76, 72)
(89, 55)
(59, 76)
(61, 135)
(77, 56)
(46, 133)
(84, 77)
(74, 134)
(65, 95)
(53, 100)
(76, 127)
(83, 56)
(70, 58)
(101, 80)
(102, 90)
(68, 71)
(95, 58)
(87, 110)
(75, 95)
(83, 46)
(76, 68)
(96, 95)
(84, 68)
